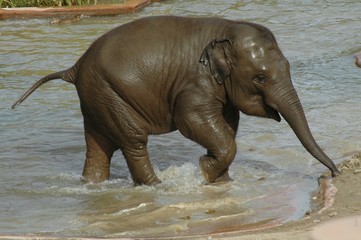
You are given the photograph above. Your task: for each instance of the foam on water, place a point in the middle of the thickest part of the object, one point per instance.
(184, 179)
(180, 205)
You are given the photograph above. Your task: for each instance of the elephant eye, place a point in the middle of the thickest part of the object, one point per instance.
(260, 78)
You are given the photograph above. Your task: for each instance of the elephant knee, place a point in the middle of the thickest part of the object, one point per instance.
(229, 153)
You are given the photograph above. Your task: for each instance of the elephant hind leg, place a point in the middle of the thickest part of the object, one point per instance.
(121, 129)
(98, 155)
(136, 154)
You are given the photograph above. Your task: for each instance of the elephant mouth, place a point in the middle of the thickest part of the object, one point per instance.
(272, 113)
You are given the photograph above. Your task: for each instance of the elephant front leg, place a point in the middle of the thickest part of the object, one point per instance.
(214, 134)
(210, 168)
(214, 165)
(226, 152)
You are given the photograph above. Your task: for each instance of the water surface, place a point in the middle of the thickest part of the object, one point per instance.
(42, 149)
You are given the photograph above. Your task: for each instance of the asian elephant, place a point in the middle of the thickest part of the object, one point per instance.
(160, 74)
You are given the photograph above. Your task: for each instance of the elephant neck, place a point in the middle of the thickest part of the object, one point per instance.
(231, 92)
(218, 91)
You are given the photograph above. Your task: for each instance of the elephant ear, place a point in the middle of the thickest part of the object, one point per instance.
(215, 55)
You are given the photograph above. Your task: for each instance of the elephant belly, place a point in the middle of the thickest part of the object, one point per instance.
(114, 111)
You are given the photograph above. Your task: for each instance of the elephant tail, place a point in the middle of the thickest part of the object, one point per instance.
(66, 75)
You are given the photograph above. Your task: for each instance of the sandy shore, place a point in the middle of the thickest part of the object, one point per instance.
(336, 213)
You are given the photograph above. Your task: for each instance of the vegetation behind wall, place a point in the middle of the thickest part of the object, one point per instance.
(49, 3)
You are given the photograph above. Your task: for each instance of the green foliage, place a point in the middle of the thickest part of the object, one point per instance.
(44, 3)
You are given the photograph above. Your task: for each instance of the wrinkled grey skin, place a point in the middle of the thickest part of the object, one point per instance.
(159, 74)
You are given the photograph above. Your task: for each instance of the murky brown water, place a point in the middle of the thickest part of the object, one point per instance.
(42, 147)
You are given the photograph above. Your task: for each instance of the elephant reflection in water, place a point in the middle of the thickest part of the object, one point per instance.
(160, 74)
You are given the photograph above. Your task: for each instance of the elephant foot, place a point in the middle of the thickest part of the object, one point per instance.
(95, 173)
(224, 178)
(211, 173)
(95, 178)
(153, 180)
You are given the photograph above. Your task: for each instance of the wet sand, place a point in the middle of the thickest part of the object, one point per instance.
(336, 210)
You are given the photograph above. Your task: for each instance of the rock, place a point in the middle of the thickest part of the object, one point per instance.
(68, 20)
(332, 214)
(358, 59)
(210, 211)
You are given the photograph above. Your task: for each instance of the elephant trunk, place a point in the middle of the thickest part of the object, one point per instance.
(289, 106)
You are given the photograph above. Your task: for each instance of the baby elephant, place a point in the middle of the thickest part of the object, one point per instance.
(160, 74)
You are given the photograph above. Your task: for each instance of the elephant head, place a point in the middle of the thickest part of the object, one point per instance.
(256, 76)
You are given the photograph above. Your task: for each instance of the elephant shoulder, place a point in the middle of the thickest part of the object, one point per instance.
(201, 92)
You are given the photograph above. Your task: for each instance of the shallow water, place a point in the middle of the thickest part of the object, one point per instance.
(42, 146)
